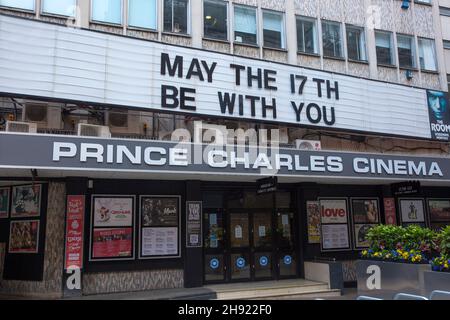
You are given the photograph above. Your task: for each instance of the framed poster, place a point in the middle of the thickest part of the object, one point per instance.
(112, 228)
(439, 210)
(159, 230)
(334, 224)
(335, 237)
(365, 210)
(412, 211)
(4, 203)
(194, 224)
(26, 201)
(112, 211)
(24, 236)
(313, 216)
(112, 243)
(360, 235)
(390, 213)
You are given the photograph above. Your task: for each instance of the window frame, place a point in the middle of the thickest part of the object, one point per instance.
(57, 14)
(92, 20)
(391, 47)
(20, 9)
(341, 32)
(413, 51)
(315, 22)
(283, 29)
(363, 34)
(258, 37)
(227, 4)
(129, 26)
(188, 22)
(435, 54)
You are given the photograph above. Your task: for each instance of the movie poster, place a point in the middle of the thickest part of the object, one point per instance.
(159, 211)
(4, 202)
(112, 243)
(333, 211)
(439, 209)
(390, 213)
(439, 113)
(365, 211)
(26, 201)
(335, 237)
(411, 211)
(360, 235)
(313, 213)
(113, 211)
(24, 236)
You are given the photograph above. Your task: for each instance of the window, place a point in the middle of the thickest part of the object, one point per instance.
(245, 26)
(109, 11)
(59, 7)
(356, 43)
(306, 35)
(427, 54)
(384, 44)
(332, 39)
(406, 54)
(176, 13)
(273, 29)
(215, 22)
(448, 80)
(142, 14)
(19, 4)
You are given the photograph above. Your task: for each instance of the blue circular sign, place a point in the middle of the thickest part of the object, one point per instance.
(287, 260)
(263, 261)
(214, 263)
(240, 263)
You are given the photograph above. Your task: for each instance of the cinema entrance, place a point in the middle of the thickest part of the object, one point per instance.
(249, 236)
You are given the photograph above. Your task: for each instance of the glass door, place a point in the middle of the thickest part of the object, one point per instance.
(239, 258)
(285, 245)
(214, 246)
(262, 248)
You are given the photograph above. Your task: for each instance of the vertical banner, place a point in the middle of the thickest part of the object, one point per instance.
(193, 224)
(390, 214)
(74, 231)
(438, 110)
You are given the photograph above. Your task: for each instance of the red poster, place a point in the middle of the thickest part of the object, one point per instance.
(112, 243)
(389, 211)
(74, 232)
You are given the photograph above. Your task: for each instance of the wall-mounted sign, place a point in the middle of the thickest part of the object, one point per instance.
(26, 201)
(74, 231)
(24, 236)
(390, 213)
(266, 185)
(405, 188)
(4, 202)
(161, 77)
(439, 112)
(194, 224)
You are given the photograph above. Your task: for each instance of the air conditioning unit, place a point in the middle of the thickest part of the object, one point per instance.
(312, 145)
(17, 126)
(43, 115)
(91, 130)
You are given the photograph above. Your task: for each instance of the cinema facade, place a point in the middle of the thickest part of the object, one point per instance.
(197, 204)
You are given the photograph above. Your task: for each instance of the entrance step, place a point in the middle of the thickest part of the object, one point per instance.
(283, 289)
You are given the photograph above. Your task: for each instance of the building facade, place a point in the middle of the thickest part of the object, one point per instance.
(177, 143)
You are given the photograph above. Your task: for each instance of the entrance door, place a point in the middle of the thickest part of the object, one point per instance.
(251, 245)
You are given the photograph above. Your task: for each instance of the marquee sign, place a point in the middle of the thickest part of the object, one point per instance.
(97, 154)
(52, 61)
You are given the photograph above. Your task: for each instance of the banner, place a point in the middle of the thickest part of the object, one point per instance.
(439, 113)
(74, 231)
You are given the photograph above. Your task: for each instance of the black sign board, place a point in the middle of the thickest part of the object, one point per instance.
(267, 185)
(405, 188)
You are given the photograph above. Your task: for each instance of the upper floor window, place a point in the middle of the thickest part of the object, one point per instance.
(245, 25)
(384, 45)
(176, 16)
(142, 14)
(307, 35)
(406, 52)
(273, 29)
(427, 54)
(109, 11)
(332, 39)
(356, 43)
(215, 21)
(19, 4)
(60, 7)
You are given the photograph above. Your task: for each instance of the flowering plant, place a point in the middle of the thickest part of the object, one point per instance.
(400, 255)
(441, 263)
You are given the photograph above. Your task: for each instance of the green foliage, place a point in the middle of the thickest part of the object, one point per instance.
(443, 241)
(385, 236)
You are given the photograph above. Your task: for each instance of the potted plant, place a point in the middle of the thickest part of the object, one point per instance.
(439, 276)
